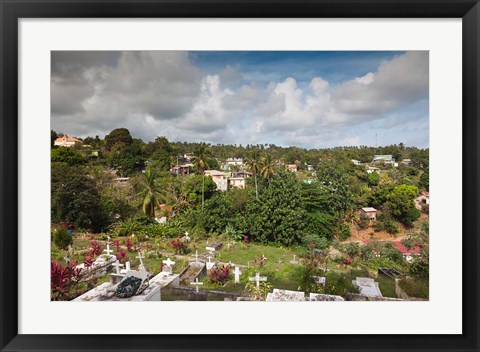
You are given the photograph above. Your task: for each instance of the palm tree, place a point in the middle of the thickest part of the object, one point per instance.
(253, 163)
(149, 191)
(200, 156)
(268, 166)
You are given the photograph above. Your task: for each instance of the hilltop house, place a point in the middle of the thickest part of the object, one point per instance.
(235, 161)
(238, 182)
(180, 169)
(371, 169)
(66, 141)
(386, 159)
(369, 212)
(292, 167)
(220, 179)
(356, 162)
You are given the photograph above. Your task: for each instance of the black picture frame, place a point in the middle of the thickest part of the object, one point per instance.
(11, 11)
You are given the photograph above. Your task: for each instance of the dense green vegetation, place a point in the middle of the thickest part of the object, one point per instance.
(313, 208)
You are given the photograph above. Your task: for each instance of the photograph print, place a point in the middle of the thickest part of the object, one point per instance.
(239, 176)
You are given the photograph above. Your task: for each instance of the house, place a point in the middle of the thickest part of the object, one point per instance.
(386, 159)
(235, 161)
(242, 174)
(407, 162)
(310, 168)
(407, 253)
(369, 212)
(220, 178)
(292, 167)
(356, 162)
(180, 169)
(238, 182)
(371, 169)
(66, 141)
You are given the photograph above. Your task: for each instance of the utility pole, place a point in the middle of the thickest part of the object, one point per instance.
(203, 191)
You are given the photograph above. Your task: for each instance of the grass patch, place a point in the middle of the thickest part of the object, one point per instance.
(387, 286)
(415, 287)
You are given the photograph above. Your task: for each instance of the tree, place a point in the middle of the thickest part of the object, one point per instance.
(268, 166)
(277, 216)
(75, 199)
(53, 136)
(253, 163)
(118, 135)
(66, 155)
(373, 179)
(149, 192)
(200, 158)
(424, 182)
(401, 205)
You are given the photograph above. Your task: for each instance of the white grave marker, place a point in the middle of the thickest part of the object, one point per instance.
(169, 262)
(197, 284)
(108, 250)
(237, 274)
(257, 278)
(117, 266)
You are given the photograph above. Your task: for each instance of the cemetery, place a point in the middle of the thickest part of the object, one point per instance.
(115, 270)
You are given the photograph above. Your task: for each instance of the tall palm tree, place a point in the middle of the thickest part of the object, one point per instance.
(200, 157)
(253, 163)
(148, 190)
(268, 166)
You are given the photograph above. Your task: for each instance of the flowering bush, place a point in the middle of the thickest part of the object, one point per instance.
(122, 256)
(88, 261)
(245, 240)
(116, 244)
(129, 244)
(62, 278)
(219, 274)
(95, 249)
(347, 261)
(179, 246)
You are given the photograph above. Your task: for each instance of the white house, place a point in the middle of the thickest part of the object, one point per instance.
(235, 161)
(238, 182)
(220, 178)
(371, 169)
(356, 162)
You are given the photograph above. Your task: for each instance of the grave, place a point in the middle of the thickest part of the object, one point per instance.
(142, 266)
(210, 264)
(214, 246)
(285, 296)
(322, 297)
(106, 291)
(197, 284)
(257, 278)
(294, 261)
(237, 274)
(367, 286)
(127, 268)
(167, 268)
(320, 280)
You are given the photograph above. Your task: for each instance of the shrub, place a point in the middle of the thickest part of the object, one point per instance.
(179, 246)
(122, 256)
(379, 226)
(62, 278)
(95, 249)
(345, 232)
(219, 274)
(391, 227)
(62, 239)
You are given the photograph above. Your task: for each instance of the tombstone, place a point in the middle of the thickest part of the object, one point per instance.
(294, 261)
(127, 268)
(67, 257)
(167, 268)
(117, 266)
(237, 274)
(186, 238)
(196, 257)
(108, 250)
(214, 247)
(197, 284)
(142, 266)
(210, 264)
(257, 278)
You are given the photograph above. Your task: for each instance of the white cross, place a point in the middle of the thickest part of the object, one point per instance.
(196, 256)
(237, 274)
(117, 266)
(140, 257)
(196, 283)
(294, 256)
(108, 238)
(127, 268)
(168, 262)
(209, 257)
(258, 278)
(108, 250)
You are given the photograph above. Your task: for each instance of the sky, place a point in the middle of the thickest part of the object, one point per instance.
(309, 99)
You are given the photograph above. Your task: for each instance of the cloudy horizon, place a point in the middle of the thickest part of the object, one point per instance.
(307, 99)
